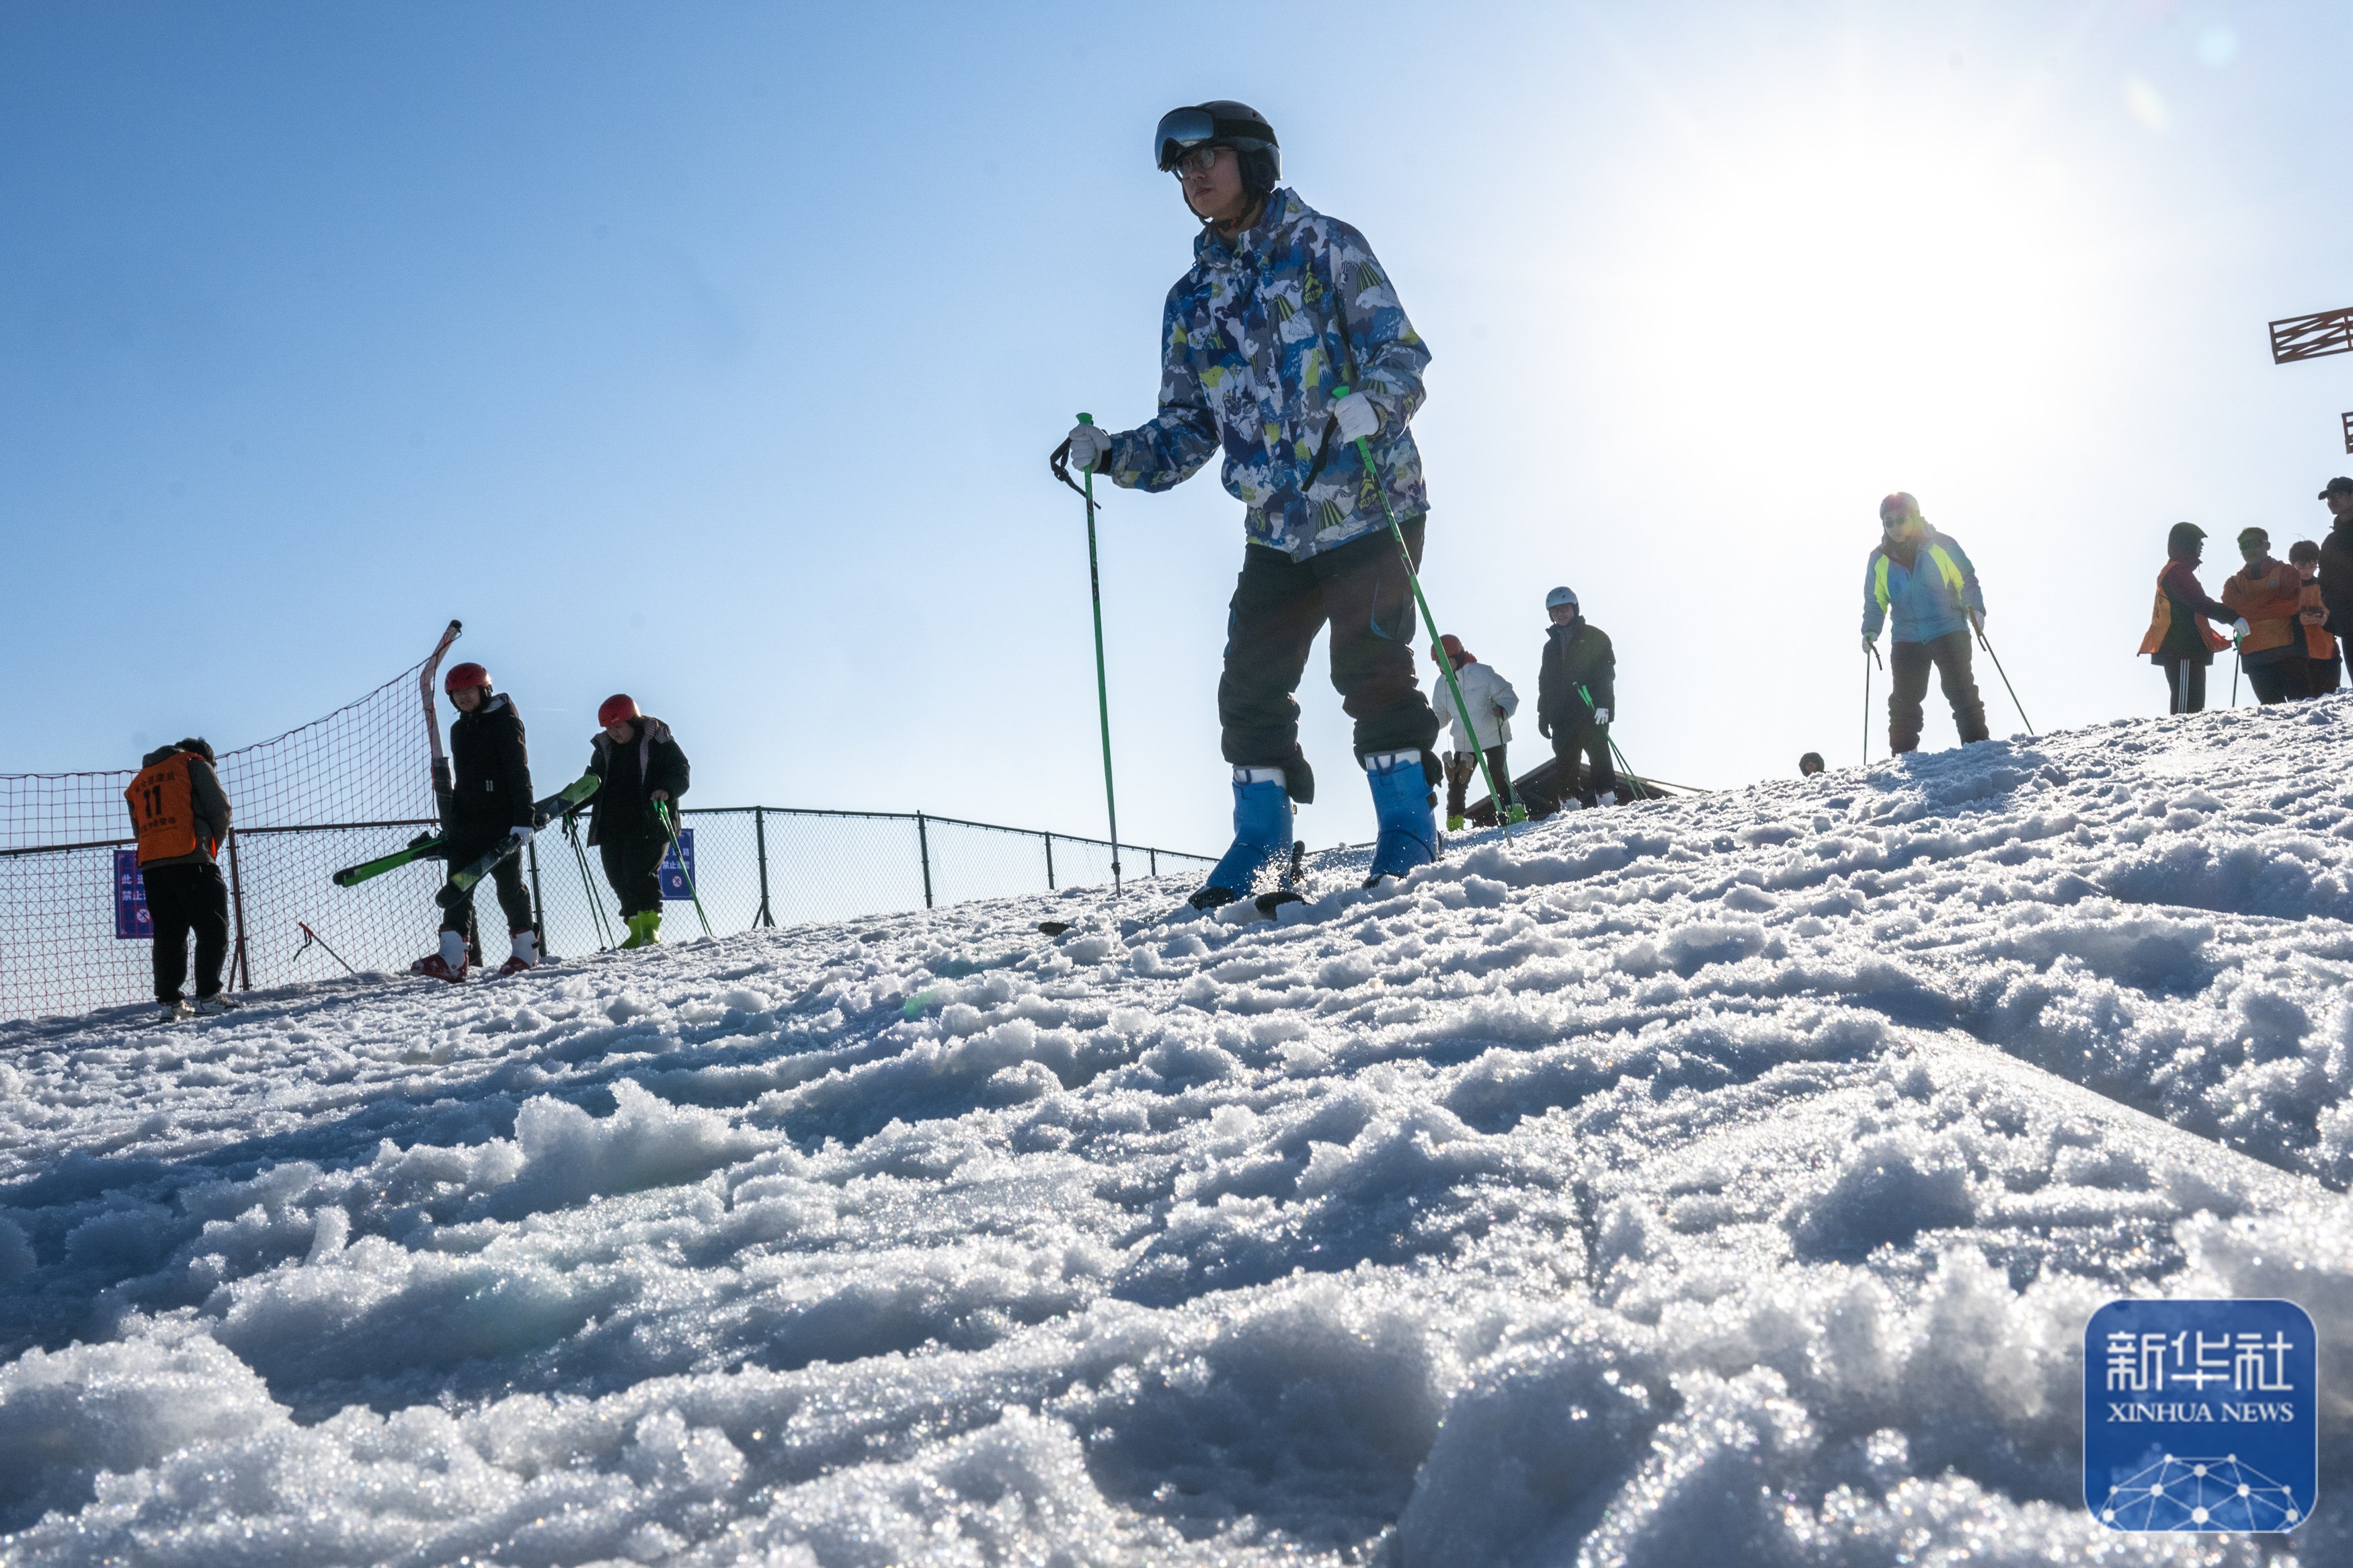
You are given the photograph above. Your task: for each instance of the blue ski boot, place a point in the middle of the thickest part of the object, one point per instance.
(1406, 811)
(1261, 836)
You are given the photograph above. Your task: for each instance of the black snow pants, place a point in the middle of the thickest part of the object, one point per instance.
(633, 866)
(471, 843)
(1461, 767)
(2185, 683)
(2279, 679)
(1907, 668)
(1279, 604)
(1589, 743)
(184, 897)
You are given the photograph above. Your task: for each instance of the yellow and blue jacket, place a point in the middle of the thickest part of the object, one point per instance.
(1926, 600)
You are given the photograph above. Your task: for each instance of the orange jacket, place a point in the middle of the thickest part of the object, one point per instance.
(2267, 599)
(2318, 642)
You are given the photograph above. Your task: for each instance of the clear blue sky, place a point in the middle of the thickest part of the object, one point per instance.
(713, 352)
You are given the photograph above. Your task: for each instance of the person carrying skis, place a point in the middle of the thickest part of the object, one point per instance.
(642, 763)
(2179, 641)
(2323, 668)
(2267, 596)
(1922, 582)
(1282, 307)
(1577, 691)
(1491, 702)
(179, 814)
(489, 804)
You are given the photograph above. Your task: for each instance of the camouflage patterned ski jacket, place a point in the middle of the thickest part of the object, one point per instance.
(1256, 336)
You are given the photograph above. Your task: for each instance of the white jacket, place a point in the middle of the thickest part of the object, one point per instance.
(1485, 691)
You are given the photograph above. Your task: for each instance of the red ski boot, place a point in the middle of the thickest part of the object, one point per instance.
(432, 968)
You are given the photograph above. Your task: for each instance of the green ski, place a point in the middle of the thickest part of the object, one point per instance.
(428, 845)
(562, 802)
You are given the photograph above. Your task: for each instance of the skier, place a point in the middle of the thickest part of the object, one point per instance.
(1922, 580)
(179, 816)
(490, 803)
(2337, 558)
(1577, 686)
(2323, 667)
(641, 763)
(2267, 595)
(1490, 697)
(1282, 306)
(2179, 641)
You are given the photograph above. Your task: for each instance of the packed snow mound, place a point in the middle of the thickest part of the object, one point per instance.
(1725, 1180)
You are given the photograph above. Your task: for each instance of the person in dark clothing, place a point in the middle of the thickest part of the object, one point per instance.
(179, 815)
(1920, 583)
(1809, 764)
(2268, 596)
(2319, 646)
(490, 804)
(2337, 558)
(640, 763)
(2179, 641)
(1577, 693)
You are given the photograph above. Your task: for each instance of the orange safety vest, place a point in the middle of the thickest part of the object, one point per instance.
(164, 808)
(2160, 621)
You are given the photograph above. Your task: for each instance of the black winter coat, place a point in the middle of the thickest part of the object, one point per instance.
(2336, 577)
(622, 805)
(1576, 653)
(490, 767)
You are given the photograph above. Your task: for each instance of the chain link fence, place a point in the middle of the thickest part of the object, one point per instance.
(753, 866)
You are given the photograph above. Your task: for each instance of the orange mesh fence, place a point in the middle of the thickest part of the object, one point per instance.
(356, 785)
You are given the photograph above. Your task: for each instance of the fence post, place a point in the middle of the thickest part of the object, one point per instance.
(1049, 862)
(760, 842)
(538, 905)
(242, 964)
(923, 849)
(1155, 856)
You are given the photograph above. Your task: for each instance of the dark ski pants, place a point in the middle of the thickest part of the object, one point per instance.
(2185, 684)
(188, 897)
(1588, 744)
(1361, 590)
(2279, 679)
(2328, 674)
(466, 846)
(633, 866)
(1907, 668)
(1461, 767)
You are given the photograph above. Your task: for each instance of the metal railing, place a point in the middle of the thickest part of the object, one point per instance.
(754, 866)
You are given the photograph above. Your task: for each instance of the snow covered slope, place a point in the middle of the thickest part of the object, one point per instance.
(1723, 1181)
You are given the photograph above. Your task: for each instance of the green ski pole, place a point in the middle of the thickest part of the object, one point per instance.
(1102, 683)
(662, 810)
(1365, 456)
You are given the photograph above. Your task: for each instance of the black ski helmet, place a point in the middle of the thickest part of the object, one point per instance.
(1222, 122)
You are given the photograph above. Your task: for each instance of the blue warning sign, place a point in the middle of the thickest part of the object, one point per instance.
(2201, 1416)
(130, 917)
(675, 879)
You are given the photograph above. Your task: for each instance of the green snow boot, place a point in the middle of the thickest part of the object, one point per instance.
(1517, 814)
(645, 930)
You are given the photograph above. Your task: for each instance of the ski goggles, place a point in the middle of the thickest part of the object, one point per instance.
(1183, 130)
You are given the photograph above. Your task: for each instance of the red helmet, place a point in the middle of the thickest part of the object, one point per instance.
(462, 676)
(618, 707)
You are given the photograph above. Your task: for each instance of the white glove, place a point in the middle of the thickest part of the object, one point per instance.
(1601, 715)
(522, 836)
(1089, 447)
(2240, 628)
(1357, 416)
(1977, 619)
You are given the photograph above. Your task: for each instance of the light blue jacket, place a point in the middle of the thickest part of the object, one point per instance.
(1928, 600)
